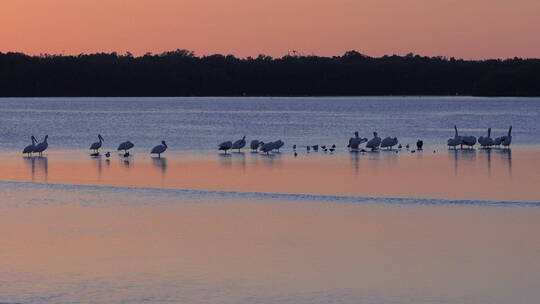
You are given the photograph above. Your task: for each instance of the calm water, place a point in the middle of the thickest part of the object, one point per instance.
(200, 123)
(384, 227)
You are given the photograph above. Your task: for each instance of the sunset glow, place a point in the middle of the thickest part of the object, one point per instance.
(466, 29)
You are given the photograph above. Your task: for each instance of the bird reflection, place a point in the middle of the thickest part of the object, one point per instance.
(355, 161)
(98, 163)
(240, 157)
(160, 163)
(38, 166)
(126, 163)
(506, 156)
(225, 160)
(466, 156)
(487, 154)
(271, 160)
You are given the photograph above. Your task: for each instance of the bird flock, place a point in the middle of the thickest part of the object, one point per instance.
(354, 144)
(373, 144)
(125, 146)
(484, 141)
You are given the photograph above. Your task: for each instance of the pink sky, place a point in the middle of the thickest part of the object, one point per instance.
(467, 29)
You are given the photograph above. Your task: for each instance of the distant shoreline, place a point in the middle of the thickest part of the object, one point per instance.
(182, 74)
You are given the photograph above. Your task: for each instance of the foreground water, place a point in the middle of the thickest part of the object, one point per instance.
(95, 244)
(200, 227)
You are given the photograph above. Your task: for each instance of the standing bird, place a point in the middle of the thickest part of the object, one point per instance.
(487, 141)
(469, 141)
(239, 144)
(308, 148)
(159, 149)
(456, 141)
(224, 146)
(30, 148)
(268, 147)
(95, 146)
(255, 144)
(125, 146)
(389, 142)
(507, 140)
(374, 143)
(42, 146)
(356, 141)
(294, 147)
(278, 144)
(419, 144)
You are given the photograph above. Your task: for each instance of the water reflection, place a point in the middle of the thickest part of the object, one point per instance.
(486, 153)
(240, 157)
(506, 156)
(160, 163)
(225, 160)
(96, 160)
(354, 157)
(465, 156)
(38, 166)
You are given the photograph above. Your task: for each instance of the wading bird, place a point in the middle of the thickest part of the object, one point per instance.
(159, 149)
(224, 146)
(95, 146)
(125, 146)
(239, 144)
(389, 142)
(374, 143)
(42, 146)
(30, 148)
(456, 141)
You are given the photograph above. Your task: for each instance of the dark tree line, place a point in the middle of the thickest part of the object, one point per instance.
(181, 73)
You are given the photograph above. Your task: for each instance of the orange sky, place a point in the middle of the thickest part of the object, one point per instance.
(459, 28)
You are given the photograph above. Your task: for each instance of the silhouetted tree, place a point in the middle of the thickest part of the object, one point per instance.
(181, 73)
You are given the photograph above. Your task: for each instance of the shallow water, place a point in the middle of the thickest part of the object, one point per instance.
(199, 124)
(483, 174)
(200, 227)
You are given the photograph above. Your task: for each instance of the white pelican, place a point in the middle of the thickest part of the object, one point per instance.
(497, 141)
(468, 141)
(255, 144)
(278, 144)
(389, 142)
(125, 146)
(507, 140)
(487, 141)
(224, 146)
(30, 148)
(159, 149)
(456, 141)
(239, 144)
(356, 141)
(419, 144)
(267, 147)
(374, 143)
(42, 146)
(95, 146)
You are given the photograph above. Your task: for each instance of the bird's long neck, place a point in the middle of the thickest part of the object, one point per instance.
(510, 131)
(455, 131)
(489, 132)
